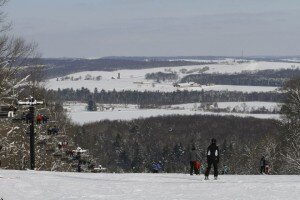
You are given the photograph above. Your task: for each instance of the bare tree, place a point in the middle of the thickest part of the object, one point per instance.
(14, 53)
(17, 59)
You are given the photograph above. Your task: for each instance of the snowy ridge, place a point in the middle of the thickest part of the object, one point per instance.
(36, 185)
(135, 79)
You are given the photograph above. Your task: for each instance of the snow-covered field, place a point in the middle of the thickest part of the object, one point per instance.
(35, 185)
(77, 111)
(251, 66)
(135, 79)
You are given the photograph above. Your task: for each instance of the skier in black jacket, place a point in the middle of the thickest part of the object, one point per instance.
(262, 164)
(212, 158)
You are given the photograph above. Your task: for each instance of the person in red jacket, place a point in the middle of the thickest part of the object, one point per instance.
(197, 167)
(193, 159)
(39, 118)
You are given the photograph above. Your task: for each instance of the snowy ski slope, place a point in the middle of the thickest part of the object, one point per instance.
(36, 185)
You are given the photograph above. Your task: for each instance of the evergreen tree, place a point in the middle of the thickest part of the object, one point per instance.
(91, 105)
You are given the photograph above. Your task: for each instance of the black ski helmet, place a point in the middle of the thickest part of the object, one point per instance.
(213, 141)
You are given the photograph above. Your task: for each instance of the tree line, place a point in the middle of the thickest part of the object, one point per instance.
(161, 76)
(148, 98)
(275, 78)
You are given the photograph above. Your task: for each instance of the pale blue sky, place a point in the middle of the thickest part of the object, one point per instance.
(97, 28)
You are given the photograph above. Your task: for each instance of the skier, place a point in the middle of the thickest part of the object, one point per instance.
(212, 158)
(193, 159)
(29, 117)
(78, 158)
(64, 144)
(156, 167)
(11, 111)
(262, 164)
(267, 167)
(203, 167)
(0, 150)
(197, 167)
(225, 169)
(55, 130)
(39, 119)
(59, 145)
(45, 119)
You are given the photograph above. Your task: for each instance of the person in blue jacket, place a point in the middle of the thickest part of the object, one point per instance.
(156, 167)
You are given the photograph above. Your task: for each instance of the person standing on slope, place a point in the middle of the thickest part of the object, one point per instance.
(212, 158)
(262, 164)
(193, 159)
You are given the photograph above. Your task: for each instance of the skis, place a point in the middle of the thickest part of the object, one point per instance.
(206, 178)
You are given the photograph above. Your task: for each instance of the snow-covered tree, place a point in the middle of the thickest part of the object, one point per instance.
(291, 111)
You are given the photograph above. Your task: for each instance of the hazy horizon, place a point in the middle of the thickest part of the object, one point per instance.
(177, 56)
(165, 28)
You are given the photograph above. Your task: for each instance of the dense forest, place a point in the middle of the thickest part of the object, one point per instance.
(274, 78)
(135, 145)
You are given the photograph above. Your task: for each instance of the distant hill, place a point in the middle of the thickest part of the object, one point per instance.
(209, 58)
(60, 67)
(55, 67)
(168, 58)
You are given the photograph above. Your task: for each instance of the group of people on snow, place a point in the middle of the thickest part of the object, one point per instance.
(212, 160)
(41, 119)
(212, 156)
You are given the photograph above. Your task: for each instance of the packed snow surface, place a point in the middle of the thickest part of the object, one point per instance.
(35, 185)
